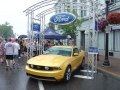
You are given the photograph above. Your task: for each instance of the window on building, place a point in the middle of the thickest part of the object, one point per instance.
(101, 40)
(117, 40)
(117, 1)
(111, 2)
(74, 7)
(82, 1)
(83, 13)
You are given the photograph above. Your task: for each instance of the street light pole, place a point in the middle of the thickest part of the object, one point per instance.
(106, 61)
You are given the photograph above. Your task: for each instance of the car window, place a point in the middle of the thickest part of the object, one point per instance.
(75, 50)
(59, 51)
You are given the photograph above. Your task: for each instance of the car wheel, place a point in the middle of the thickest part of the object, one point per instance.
(67, 75)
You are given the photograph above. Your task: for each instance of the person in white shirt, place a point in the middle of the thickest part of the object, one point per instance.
(16, 48)
(9, 51)
(16, 52)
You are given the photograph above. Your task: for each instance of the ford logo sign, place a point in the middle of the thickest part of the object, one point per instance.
(62, 18)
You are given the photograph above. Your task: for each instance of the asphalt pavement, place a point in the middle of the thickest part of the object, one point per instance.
(17, 79)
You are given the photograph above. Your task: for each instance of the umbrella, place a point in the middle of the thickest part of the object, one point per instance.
(22, 36)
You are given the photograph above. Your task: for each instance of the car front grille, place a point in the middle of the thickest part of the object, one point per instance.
(36, 67)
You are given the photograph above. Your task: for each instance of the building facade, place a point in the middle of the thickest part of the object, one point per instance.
(114, 35)
(85, 31)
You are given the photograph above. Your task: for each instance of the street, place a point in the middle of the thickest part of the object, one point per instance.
(17, 80)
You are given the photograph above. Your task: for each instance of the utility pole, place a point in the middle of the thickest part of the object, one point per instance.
(106, 61)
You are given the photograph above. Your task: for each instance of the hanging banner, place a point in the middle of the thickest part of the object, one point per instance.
(36, 27)
(62, 18)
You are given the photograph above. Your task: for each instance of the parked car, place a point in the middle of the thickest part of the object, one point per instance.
(57, 63)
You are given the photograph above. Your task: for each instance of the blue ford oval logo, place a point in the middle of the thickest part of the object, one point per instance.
(62, 18)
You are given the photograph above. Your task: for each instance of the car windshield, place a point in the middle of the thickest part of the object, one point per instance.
(59, 51)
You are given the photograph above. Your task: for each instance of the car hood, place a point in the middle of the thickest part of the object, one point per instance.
(48, 60)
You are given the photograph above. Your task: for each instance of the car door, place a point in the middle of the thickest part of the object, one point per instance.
(75, 59)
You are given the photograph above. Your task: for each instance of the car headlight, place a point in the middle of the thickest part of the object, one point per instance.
(31, 66)
(56, 68)
(47, 68)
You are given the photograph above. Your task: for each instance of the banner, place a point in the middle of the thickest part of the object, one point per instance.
(36, 27)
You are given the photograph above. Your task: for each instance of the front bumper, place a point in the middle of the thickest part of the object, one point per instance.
(45, 75)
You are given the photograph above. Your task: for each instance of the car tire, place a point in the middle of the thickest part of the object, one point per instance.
(67, 75)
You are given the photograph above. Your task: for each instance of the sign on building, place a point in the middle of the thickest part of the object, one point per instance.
(116, 27)
(62, 18)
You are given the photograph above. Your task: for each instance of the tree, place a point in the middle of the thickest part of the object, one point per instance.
(6, 30)
(71, 29)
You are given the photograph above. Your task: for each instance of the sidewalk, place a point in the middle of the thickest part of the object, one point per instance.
(112, 70)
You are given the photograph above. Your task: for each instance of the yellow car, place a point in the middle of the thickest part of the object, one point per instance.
(57, 63)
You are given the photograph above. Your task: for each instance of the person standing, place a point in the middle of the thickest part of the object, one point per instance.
(16, 53)
(16, 48)
(9, 51)
(24, 48)
(1, 50)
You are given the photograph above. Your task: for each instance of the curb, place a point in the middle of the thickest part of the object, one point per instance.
(109, 73)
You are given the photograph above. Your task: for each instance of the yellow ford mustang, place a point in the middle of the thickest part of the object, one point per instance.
(57, 63)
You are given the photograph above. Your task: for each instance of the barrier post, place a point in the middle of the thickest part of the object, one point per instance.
(92, 61)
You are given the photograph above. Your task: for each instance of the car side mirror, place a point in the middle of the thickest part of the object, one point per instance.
(76, 54)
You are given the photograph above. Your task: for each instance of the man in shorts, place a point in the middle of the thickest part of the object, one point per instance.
(9, 51)
(16, 48)
(16, 51)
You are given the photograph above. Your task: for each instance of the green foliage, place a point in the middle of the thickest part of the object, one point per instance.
(71, 29)
(6, 30)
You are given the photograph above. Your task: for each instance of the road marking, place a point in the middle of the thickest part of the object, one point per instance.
(40, 84)
(88, 71)
(85, 77)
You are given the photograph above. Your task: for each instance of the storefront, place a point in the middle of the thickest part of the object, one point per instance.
(114, 39)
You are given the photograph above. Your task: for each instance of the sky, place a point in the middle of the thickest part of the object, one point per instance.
(11, 11)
